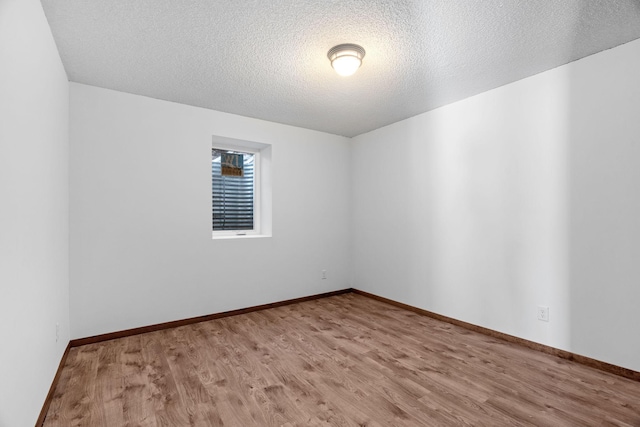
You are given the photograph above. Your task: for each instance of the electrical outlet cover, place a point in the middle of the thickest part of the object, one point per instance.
(543, 313)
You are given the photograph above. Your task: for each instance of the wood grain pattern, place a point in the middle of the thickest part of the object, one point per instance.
(346, 360)
(584, 360)
(182, 322)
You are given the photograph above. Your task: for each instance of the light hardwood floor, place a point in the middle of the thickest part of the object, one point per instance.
(340, 361)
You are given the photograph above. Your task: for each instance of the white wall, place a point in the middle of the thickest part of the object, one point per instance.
(522, 196)
(34, 244)
(140, 214)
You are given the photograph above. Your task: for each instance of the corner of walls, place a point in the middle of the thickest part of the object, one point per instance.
(34, 220)
(522, 196)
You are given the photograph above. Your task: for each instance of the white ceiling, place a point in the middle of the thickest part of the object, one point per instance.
(267, 59)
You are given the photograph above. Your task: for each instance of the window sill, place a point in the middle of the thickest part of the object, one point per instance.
(240, 236)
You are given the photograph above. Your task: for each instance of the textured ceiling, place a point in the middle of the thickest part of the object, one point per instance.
(267, 59)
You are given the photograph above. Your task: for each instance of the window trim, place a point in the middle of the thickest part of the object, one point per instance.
(261, 228)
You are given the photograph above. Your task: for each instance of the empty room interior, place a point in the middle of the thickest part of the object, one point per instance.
(206, 221)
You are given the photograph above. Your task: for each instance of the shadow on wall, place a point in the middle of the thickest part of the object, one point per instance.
(528, 196)
(604, 206)
(499, 209)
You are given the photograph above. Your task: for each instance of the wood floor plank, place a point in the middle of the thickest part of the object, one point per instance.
(108, 403)
(346, 360)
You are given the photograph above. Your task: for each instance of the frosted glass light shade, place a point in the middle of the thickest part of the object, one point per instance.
(346, 65)
(346, 58)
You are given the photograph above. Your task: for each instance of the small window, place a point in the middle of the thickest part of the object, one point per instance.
(233, 190)
(236, 188)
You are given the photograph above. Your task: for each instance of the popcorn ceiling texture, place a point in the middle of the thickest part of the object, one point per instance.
(267, 59)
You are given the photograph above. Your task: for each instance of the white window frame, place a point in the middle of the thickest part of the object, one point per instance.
(261, 228)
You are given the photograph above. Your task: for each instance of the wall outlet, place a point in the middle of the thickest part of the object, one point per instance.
(57, 331)
(543, 313)
(324, 274)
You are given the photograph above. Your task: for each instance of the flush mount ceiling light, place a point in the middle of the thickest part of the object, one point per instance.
(346, 58)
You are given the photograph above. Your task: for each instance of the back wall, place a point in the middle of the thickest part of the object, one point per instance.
(140, 213)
